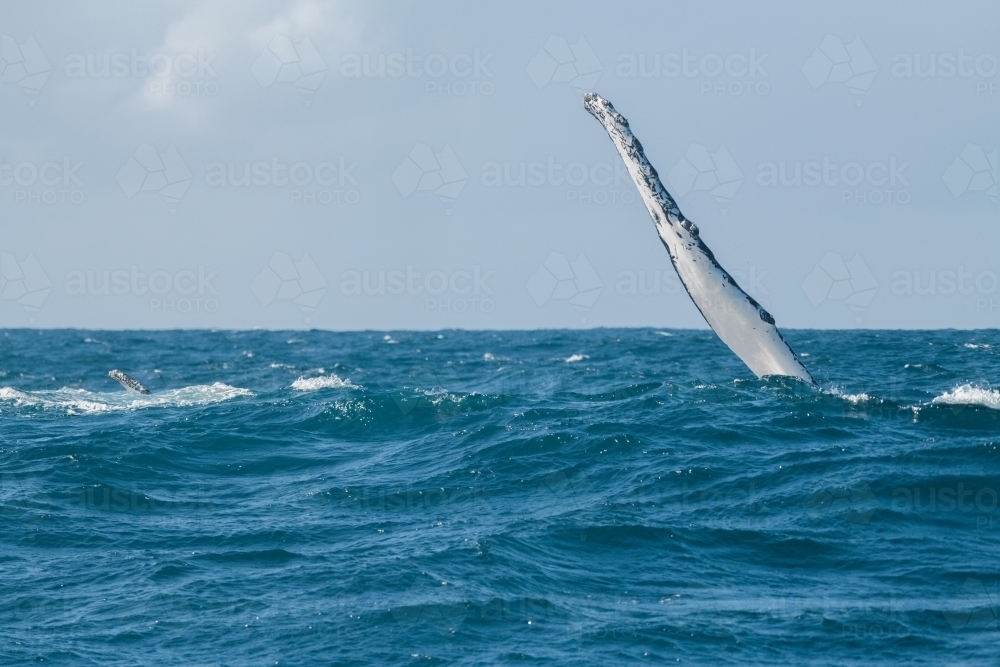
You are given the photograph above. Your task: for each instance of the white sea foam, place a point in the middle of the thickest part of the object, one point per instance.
(968, 394)
(663, 333)
(437, 395)
(854, 399)
(573, 358)
(323, 382)
(81, 401)
(979, 346)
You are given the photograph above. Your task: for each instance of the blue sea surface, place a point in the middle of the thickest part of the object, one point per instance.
(590, 497)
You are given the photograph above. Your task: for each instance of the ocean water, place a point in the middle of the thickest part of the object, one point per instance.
(552, 497)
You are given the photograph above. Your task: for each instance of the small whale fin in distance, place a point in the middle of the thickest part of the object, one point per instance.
(128, 381)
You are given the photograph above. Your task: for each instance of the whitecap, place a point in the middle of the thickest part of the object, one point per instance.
(323, 382)
(980, 346)
(663, 333)
(854, 399)
(573, 358)
(968, 394)
(81, 401)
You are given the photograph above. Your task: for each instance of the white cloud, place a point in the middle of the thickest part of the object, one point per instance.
(237, 32)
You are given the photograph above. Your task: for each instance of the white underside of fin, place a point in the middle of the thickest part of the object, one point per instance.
(734, 315)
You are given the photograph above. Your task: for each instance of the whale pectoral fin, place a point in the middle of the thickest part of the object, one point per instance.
(128, 382)
(734, 315)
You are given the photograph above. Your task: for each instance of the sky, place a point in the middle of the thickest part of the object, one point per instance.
(349, 166)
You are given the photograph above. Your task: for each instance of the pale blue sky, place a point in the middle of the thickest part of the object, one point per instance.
(389, 139)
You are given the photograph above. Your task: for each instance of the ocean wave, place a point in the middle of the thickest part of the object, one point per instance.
(442, 461)
(968, 394)
(573, 358)
(332, 381)
(81, 401)
(854, 399)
